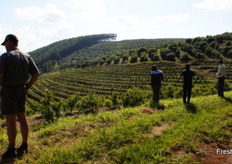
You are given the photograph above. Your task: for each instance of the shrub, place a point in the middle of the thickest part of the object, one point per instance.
(117, 99)
(117, 60)
(125, 58)
(134, 59)
(47, 104)
(155, 58)
(72, 101)
(90, 103)
(108, 103)
(33, 107)
(50, 108)
(168, 92)
(141, 51)
(184, 57)
(144, 57)
(134, 97)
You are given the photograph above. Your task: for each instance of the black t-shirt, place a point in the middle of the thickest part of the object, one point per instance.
(156, 77)
(16, 67)
(188, 76)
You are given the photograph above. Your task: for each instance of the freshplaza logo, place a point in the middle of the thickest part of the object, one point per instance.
(219, 151)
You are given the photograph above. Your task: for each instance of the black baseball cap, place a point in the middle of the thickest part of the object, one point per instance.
(153, 67)
(10, 37)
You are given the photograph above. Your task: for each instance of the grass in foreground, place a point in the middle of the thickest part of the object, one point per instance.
(130, 135)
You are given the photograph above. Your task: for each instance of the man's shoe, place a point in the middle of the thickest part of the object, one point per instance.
(23, 149)
(10, 153)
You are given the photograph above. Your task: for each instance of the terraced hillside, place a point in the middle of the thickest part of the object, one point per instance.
(104, 80)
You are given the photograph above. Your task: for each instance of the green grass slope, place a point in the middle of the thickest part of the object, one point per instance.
(179, 134)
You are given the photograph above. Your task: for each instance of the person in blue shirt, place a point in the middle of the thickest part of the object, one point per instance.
(156, 78)
(187, 83)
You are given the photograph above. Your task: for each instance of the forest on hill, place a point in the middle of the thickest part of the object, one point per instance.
(47, 57)
(101, 49)
(86, 50)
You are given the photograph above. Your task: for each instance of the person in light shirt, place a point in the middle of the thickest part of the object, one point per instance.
(221, 78)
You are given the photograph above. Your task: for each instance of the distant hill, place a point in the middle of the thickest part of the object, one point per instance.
(47, 57)
(77, 52)
(101, 49)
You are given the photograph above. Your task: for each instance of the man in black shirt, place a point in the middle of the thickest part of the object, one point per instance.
(16, 68)
(156, 77)
(187, 82)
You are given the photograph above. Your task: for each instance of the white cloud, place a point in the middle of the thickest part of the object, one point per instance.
(88, 9)
(215, 4)
(123, 22)
(3, 32)
(49, 14)
(171, 18)
(29, 38)
(33, 38)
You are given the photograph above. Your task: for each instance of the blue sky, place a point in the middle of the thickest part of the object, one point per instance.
(38, 23)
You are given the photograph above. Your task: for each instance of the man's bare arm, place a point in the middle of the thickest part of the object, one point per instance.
(32, 80)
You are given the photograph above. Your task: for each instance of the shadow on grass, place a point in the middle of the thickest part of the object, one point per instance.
(190, 107)
(157, 105)
(227, 99)
(7, 161)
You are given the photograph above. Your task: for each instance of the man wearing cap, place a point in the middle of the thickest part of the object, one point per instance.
(15, 68)
(156, 78)
(221, 78)
(187, 82)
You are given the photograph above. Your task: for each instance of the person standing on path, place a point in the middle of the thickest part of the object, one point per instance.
(221, 78)
(187, 83)
(15, 69)
(156, 78)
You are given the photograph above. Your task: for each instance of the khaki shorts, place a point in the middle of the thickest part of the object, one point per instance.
(13, 100)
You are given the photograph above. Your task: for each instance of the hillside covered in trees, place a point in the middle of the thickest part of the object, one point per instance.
(87, 50)
(103, 50)
(48, 57)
